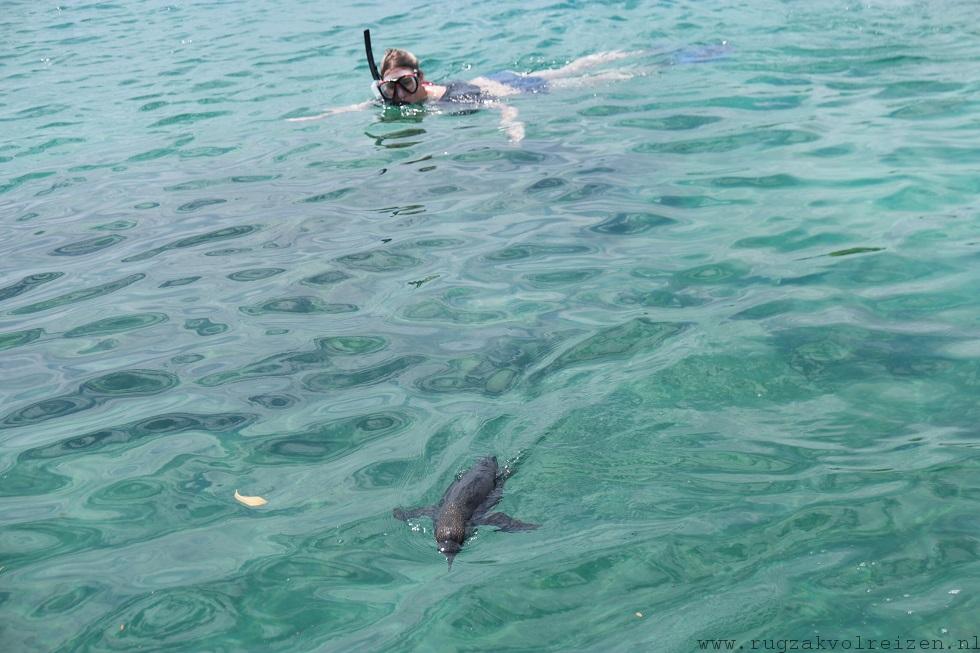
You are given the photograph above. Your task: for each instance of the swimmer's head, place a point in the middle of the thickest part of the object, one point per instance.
(395, 58)
(401, 78)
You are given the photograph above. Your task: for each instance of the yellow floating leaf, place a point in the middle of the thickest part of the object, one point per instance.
(251, 502)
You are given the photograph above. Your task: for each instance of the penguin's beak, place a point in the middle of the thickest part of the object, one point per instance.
(449, 548)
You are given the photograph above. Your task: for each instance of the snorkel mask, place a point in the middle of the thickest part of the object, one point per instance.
(387, 91)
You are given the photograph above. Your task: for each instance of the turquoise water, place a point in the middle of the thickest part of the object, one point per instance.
(723, 314)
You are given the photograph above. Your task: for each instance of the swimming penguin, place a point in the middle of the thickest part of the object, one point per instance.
(465, 504)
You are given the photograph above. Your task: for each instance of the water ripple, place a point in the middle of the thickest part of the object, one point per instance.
(193, 241)
(28, 283)
(92, 393)
(118, 324)
(79, 295)
(302, 304)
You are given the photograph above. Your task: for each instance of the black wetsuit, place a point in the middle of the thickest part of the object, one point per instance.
(464, 92)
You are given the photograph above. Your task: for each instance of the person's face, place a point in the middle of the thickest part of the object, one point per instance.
(402, 86)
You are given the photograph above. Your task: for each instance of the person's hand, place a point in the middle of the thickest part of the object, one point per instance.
(510, 124)
(333, 112)
(308, 118)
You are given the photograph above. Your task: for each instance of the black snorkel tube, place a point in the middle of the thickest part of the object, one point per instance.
(370, 56)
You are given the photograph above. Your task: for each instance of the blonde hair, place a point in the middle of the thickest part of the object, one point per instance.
(395, 58)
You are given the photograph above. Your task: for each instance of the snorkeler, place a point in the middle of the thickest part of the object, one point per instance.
(401, 81)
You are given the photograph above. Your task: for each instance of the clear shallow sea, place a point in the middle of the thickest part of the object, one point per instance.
(726, 315)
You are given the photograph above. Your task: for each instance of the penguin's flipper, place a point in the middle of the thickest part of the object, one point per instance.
(504, 522)
(492, 499)
(404, 515)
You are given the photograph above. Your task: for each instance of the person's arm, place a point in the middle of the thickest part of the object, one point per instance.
(509, 122)
(332, 112)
